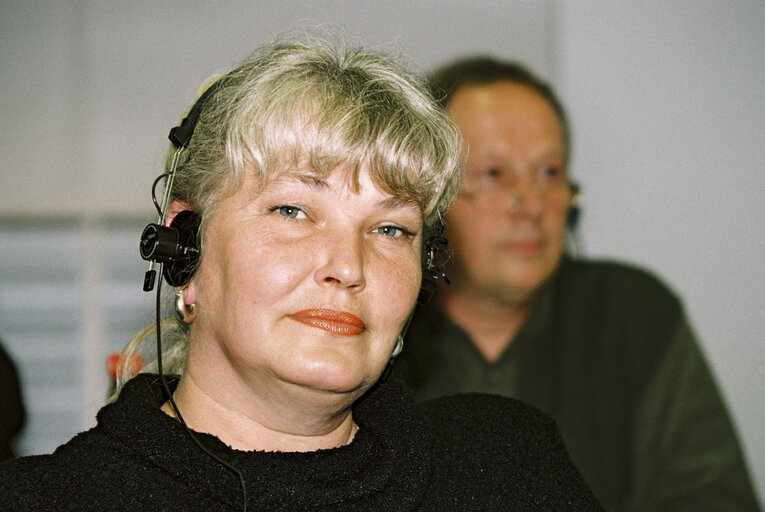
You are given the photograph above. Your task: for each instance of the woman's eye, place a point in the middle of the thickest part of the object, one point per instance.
(293, 212)
(392, 231)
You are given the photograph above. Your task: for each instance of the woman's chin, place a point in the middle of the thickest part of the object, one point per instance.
(333, 376)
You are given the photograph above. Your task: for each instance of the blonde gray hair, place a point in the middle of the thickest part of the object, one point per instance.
(306, 101)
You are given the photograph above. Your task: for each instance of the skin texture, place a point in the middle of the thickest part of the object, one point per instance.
(300, 295)
(507, 227)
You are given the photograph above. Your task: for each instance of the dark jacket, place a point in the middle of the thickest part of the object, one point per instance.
(473, 452)
(607, 351)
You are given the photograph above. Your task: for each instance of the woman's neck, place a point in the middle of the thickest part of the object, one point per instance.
(254, 423)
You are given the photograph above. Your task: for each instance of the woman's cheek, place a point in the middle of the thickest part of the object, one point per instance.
(275, 268)
(399, 281)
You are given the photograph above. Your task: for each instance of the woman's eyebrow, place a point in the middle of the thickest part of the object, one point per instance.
(308, 179)
(396, 202)
(284, 180)
(314, 182)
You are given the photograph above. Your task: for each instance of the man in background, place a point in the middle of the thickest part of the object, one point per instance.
(604, 348)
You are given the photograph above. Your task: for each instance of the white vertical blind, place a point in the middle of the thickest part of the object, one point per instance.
(70, 293)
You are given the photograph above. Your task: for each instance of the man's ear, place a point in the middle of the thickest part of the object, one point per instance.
(176, 207)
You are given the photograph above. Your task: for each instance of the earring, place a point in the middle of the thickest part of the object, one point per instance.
(185, 312)
(398, 347)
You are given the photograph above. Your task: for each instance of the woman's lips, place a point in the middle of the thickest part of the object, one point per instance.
(335, 322)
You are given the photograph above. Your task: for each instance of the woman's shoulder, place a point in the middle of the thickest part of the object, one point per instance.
(78, 467)
(92, 471)
(26, 474)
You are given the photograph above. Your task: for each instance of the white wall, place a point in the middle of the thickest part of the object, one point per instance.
(664, 99)
(91, 88)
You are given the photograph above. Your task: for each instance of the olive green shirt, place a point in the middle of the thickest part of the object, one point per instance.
(608, 352)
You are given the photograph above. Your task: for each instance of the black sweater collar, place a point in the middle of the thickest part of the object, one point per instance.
(386, 462)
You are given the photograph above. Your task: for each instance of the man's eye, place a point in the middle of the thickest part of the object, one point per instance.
(293, 212)
(492, 173)
(550, 172)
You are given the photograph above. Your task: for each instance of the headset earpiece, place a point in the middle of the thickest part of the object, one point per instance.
(575, 208)
(572, 216)
(176, 247)
(434, 259)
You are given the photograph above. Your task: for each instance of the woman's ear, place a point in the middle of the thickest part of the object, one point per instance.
(176, 207)
(191, 292)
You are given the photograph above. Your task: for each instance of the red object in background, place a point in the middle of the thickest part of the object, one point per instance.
(114, 364)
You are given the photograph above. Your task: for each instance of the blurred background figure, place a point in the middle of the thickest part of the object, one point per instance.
(604, 348)
(11, 405)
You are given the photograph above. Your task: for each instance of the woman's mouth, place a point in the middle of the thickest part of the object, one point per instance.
(339, 323)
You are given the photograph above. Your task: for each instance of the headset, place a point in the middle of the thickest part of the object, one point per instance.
(575, 208)
(573, 242)
(175, 247)
(434, 259)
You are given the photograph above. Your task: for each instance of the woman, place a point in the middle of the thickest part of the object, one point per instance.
(316, 174)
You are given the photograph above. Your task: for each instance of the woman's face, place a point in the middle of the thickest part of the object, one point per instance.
(305, 284)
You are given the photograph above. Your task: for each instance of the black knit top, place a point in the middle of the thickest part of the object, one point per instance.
(470, 452)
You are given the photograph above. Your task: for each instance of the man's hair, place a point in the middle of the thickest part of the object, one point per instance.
(446, 80)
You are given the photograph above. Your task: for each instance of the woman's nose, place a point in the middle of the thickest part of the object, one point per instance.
(342, 261)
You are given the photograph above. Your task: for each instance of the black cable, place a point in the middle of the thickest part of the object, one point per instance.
(154, 192)
(175, 407)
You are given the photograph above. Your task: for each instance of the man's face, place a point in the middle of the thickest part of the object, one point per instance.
(507, 226)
